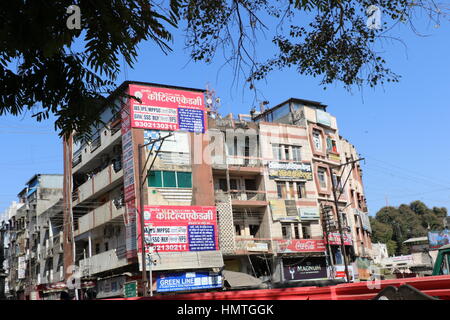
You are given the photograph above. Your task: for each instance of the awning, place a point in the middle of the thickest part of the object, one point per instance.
(240, 279)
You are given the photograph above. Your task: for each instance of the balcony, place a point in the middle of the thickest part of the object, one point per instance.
(244, 165)
(248, 198)
(99, 216)
(253, 245)
(104, 261)
(105, 179)
(103, 140)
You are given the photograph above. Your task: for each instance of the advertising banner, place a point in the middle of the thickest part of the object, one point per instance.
(311, 213)
(128, 184)
(335, 239)
(305, 268)
(290, 170)
(167, 109)
(180, 228)
(280, 211)
(22, 266)
(438, 239)
(301, 245)
(170, 282)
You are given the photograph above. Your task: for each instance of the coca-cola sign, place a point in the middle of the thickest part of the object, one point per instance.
(301, 245)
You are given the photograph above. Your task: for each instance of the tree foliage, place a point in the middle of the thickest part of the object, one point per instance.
(50, 69)
(393, 225)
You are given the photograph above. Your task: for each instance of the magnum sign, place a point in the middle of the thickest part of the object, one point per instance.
(290, 170)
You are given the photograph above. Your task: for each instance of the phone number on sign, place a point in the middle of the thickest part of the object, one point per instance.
(170, 247)
(155, 125)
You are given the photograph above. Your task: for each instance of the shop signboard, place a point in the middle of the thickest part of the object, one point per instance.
(305, 268)
(301, 245)
(309, 213)
(187, 281)
(167, 109)
(180, 228)
(290, 170)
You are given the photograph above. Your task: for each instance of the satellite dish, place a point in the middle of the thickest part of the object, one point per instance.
(217, 100)
(209, 101)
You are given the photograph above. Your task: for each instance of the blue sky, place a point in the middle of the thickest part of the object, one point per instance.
(401, 129)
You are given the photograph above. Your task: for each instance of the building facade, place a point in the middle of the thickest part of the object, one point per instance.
(31, 235)
(252, 195)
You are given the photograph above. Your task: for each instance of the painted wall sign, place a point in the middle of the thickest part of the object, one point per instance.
(290, 170)
(305, 268)
(181, 228)
(301, 245)
(168, 282)
(167, 109)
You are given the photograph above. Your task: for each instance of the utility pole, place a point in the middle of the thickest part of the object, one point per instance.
(336, 204)
(142, 168)
(325, 231)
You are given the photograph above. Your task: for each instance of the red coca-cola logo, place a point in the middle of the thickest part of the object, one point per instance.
(306, 245)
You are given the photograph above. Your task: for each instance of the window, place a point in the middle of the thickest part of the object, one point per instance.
(301, 190)
(233, 184)
(306, 230)
(286, 153)
(296, 155)
(106, 246)
(170, 179)
(235, 146)
(253, 228)
(286, 231)
(276, 150)
(281, 189)
(317, 139)
(184, 179)
(237, 230)
(297, 233)
(97, 248)
(291, 191)
(223, 185)
(321, 174)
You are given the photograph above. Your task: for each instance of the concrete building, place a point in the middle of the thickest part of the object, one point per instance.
(30, 259)
(250, 195)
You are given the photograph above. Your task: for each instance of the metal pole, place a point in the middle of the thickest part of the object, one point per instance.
(344, 253)
(141, 219)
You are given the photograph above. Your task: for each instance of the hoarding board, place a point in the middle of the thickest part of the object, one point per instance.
(438, 239)
(335, 239)
(301, 245)
(169, 282)
(308, 268)
(180, 228)
(290, 170)
(167, 109)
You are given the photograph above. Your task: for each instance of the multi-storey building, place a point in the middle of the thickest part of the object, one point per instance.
(251, 195)
(334, 163)
(30, 260)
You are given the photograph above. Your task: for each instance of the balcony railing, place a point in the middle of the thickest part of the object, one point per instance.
(248, 195)
(244, 161)
(104, 261)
